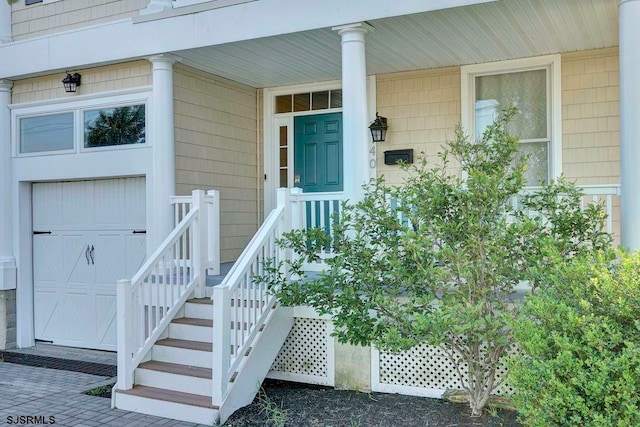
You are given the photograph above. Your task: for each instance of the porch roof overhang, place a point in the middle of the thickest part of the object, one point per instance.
(471, 34)
(408, 35)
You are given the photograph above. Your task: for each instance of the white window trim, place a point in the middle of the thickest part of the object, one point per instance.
(16, 131)
(77, 106)
(81, 112)
(550, 62)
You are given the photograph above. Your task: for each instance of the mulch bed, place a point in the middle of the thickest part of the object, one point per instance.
(302, 405)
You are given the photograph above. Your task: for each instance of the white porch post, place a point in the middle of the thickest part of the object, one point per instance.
(354, 108)
(156, 6)
(162, 131)
(629, 12)
(5, 22)
(7, 258)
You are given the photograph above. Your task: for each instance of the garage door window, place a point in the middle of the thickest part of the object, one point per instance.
(114, 126)
(52, 132)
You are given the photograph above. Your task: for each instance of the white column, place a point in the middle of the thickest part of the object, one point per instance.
(156, 6)
(355, 121)
(164, 164)
(7, 258)
(5, 22)
(629, 13)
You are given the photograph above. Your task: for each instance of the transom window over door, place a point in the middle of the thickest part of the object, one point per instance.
(535, 93)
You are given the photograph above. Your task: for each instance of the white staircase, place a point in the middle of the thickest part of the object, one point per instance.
(184, 356)
(176, 380)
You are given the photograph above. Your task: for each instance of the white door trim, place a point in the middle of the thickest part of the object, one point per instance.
(271, 163)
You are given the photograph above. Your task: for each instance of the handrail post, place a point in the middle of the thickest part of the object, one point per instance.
(222, 344)
(283, 198)
(213, 239)
(199, 254)
(296, 209)
(125, 328)
(296, 222)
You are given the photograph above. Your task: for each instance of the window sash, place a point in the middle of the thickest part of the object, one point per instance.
(539, 143)
(114, 126)
(47, 133)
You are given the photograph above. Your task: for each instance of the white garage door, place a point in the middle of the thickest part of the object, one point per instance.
(86, 236)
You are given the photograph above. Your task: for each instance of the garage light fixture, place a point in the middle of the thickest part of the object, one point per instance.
(71, 82)
(379, 129)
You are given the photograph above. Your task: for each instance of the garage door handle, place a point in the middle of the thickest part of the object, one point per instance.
(91, 254)
(86, 254)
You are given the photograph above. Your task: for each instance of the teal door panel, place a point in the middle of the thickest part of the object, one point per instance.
(318, 152)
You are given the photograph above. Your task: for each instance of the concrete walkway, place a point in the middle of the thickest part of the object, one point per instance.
(58, 396)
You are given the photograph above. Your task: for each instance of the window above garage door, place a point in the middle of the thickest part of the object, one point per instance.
(107, 123)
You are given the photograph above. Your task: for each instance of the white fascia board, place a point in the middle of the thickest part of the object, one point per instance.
(125, 39)
(275, 17)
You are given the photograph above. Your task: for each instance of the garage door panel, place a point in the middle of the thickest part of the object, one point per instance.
(109, 257)
(75, 293)
(47, 205)
(136, 212)
(109, 206)
(48, 250)
(135, 250)
(106, 327)
(78, 204)
(46, 300)
(76, 267)
(77, 309)
(65, 316)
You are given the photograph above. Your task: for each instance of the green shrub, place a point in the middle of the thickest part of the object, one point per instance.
(445, 273)
(581, 346)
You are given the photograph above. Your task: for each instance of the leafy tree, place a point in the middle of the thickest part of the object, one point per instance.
(580, 338)
(438, 259)
(117, 126)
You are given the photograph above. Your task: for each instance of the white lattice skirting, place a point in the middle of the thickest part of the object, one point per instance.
(308, 353)
(422, 371)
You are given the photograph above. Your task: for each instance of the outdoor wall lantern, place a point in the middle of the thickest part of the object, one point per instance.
(379, 129)
(71, 82)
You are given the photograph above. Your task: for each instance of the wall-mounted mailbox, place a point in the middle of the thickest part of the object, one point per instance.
(394, 157)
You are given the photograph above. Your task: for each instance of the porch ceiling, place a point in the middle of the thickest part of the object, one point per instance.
(465, 35)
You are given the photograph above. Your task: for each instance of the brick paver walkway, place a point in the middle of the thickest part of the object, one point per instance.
(40, 392)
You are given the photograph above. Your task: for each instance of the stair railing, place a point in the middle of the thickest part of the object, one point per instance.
(242, 307)
(147, 302)
(182, 206)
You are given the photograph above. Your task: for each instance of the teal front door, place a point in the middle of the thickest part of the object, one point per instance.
(318, 153)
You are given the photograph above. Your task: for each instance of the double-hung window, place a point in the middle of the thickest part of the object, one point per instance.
(532, 86)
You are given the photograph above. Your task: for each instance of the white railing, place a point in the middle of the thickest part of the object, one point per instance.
(320, 210)
(182, 205)
(150, 300)
(241, 307)
(607, 195)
